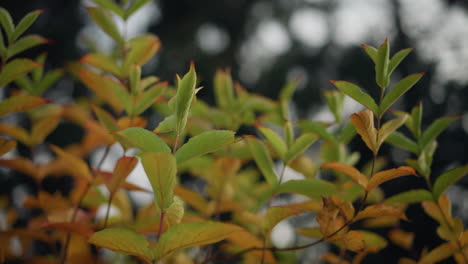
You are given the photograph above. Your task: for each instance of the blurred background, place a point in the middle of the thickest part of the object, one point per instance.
(266, 43)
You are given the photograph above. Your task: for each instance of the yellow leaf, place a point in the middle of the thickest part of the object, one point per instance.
(439, 253)
(15, 132)
(353, 240)
(76, 166)
(192, 198)
(333, 259)
(20, 103)
(245, 239)
(42, 128)
(401, 238)
(379, 210)
(276, 214)
(123, 168)
(383, 176)
(6, 146)
(406, 261)
(383, 221)
(364, 123)
(350, 171)
(191, 234)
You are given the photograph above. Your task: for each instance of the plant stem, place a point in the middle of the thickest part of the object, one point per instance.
(161, 224)
(109, 204)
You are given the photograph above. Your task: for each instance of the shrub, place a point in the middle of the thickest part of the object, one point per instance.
(231, 217)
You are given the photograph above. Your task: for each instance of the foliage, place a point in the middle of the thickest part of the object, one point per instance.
(239, 172)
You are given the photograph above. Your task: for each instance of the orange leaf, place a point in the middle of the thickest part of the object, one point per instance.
(353, 240)
(21, 165)
(15, 132)
(379, 210)
(6, 146)
(192, 198)
(245, 239)
(20, 103)
(383, 176)
(42, 128)
(401, 238)
(350, 171)
(78, 228)
(76, 166)
(123, 168)
(439, 253)
(364, 123)
(329, 219)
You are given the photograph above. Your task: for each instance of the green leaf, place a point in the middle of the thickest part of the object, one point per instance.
(191, 234)
(106, 119)
(7, 24)
(398, 90)
(347, 133)
(167, 125)
(3, 49)
(308, 126)
(161, 169)
(411, 196)
(20, 103)
(183, 100)
(262, 159)
(102, 62)
(122, 240)
(299, 146)
(25, 43)
(25, 23)
(400, 140)
(357, 94)
(206, 142)
(224, 90)
(312, 188)
(275, 140)
(396, 59)
(381, 65)
(287, 91)
(373, 241)
(137, 4)
(371, 51)
(389, 127)
(135, 77)
(276, 214)
(141, 138)
(434, 130)
(15, 69)
(335, 101)
(147, 98)
(49, 79)
(447, 179)
(140, 50)
(110, 5)
(416, 120)
(37, 73)
(104, 20)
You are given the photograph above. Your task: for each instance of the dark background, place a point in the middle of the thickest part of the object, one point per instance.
(258, 41)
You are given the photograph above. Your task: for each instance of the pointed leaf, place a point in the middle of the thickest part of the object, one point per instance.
(389, 128)
(184, 97)
(15, 132)
(7, 24)
(6, 146)
(262, 159)
(137, 4)
(147, 98)
(25, 43)
(105, 21)
(77, 166)
(371, 51)
(141, 138)
(448, 178)
(42, 128)
(398, 90)
(275, 140)
(123, 168)
(300, 146)
(15, 69)
(49, 79)
(415, 121)
(381, 65)
(398, 139)
(383, 176)
(434, 130)
(335, 102)
(105, 119)
(357, 94)
(396, 59)
(122, 240)
(101, 62)
(312, 188)
(348, 170)
(308, 126)
(110, 5)
(379, 210)
(191, 234)
(364, 123)
(373, 241)
(167, 125)
(25, 23)
(161, 170)
(20, 103)
(439, 253)
(411, 196)
(206, 142)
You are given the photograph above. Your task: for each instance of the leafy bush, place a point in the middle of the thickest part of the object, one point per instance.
(229, 219)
